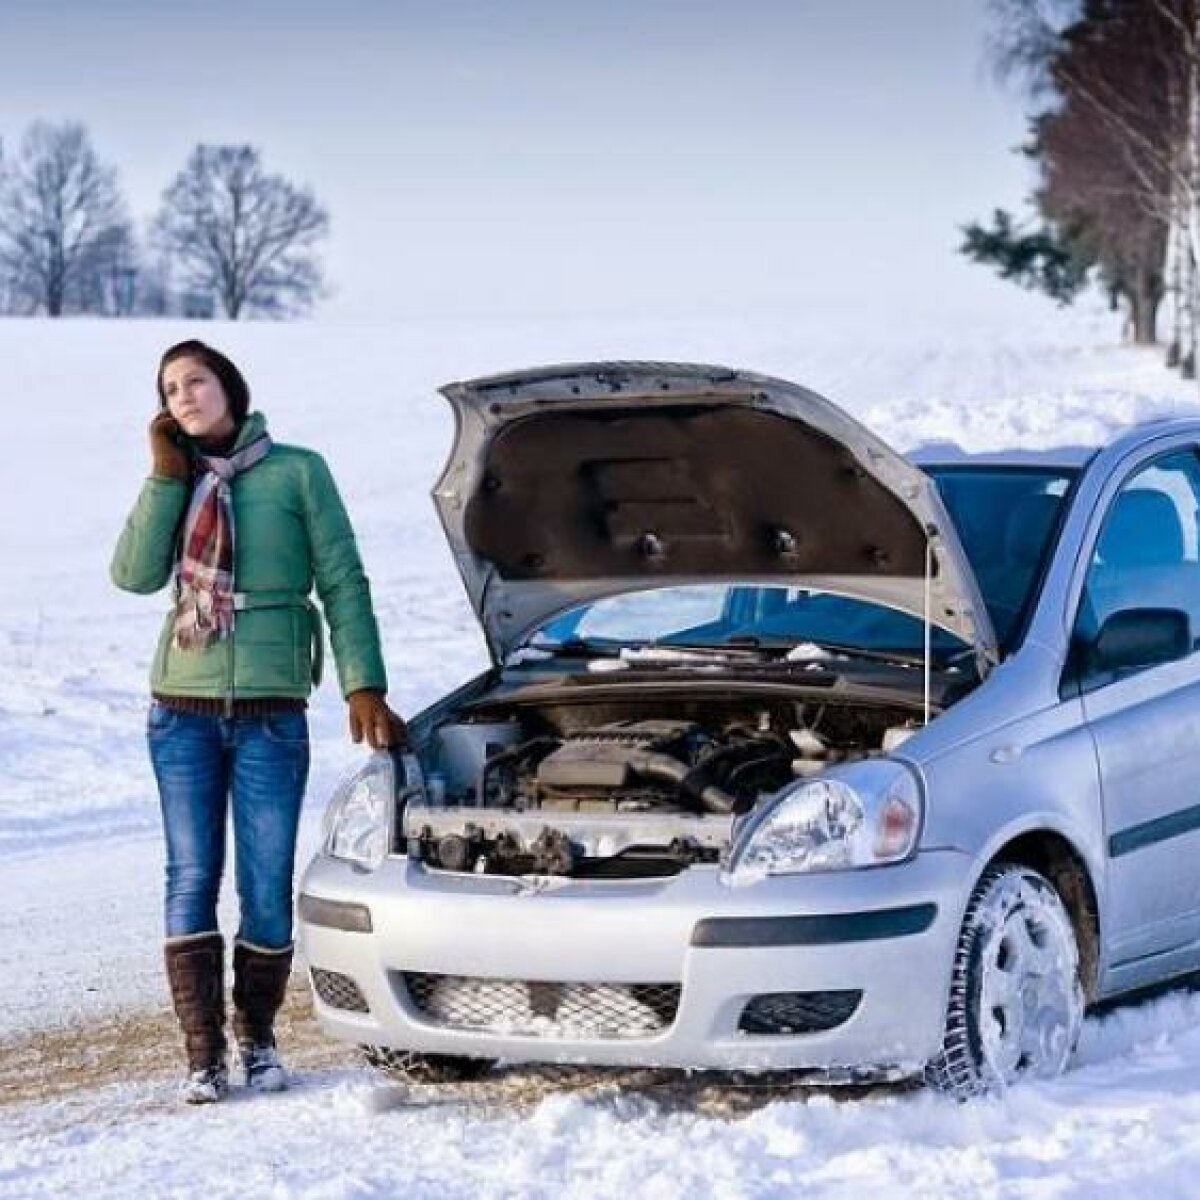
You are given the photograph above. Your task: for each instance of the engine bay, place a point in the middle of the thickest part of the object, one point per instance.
(621, 788)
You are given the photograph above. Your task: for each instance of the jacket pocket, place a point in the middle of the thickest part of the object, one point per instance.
(191, 672)
(310, 651)
(268, 648)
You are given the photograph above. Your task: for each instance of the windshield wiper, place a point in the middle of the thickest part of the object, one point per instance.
(739, 647)
(846, 649)
(579, 648)
(742, 648)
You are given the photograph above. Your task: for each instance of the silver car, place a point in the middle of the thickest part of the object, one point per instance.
(796, 754)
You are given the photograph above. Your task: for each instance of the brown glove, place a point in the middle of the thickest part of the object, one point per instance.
(170, 458)
(370, 715)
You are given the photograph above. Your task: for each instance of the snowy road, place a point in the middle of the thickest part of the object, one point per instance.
(1123, 1123)
(80, 859)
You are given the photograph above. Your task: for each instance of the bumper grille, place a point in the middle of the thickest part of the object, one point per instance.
(798, 1012)
(549, 1010)
(338, 991)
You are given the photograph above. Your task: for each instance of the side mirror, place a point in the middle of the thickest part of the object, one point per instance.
(1141, 637)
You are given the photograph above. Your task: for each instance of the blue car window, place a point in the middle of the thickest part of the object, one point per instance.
(1005, 518)
(1147, 554)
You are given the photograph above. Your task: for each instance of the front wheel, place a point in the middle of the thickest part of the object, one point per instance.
(1016, 1001)
(407, 1066)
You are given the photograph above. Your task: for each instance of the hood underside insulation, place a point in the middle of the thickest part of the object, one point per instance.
(722, 490)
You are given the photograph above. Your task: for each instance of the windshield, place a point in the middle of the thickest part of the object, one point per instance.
(1005, 518)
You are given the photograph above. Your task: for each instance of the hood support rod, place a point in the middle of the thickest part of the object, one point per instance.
(928, 655)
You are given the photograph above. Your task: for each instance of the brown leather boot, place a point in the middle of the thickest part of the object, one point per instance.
(260, 978)
(196, 973)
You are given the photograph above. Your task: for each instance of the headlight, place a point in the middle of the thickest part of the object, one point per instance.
(358, 818)
(862, 815)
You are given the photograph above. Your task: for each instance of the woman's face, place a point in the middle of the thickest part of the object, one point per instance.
(196, 399)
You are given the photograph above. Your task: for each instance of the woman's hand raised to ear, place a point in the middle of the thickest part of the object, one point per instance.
(169, 457)
(370, 717)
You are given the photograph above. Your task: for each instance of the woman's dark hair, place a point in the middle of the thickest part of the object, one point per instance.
(236, 390)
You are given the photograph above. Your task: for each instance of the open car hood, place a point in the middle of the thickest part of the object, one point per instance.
(569, 483)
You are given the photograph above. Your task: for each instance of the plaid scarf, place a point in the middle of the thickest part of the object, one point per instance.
(204, 573)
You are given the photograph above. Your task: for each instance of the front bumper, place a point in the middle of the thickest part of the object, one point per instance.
(889, 933)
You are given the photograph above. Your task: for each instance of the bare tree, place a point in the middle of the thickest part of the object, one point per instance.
(63, 223)
(241, 234)
(1124, 74)
(1185, 211)
(1112, 82)
(1025, 36)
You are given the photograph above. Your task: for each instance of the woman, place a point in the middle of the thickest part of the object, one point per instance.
(245, 527)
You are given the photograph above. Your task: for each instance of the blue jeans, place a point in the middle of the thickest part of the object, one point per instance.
(203, 762)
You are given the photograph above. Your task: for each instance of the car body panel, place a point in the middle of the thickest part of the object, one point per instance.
(492, 928)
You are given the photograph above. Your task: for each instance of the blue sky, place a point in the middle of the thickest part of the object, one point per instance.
(638, 156)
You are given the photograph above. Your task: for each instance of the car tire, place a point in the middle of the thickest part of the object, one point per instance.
(1016, 1001)
(407, 1066)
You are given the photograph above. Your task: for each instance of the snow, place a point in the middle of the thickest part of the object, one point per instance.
(1121, 1123)
(80, 858)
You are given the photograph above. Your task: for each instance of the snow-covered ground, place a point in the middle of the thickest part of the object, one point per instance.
(79, 853)
(1122, 1124)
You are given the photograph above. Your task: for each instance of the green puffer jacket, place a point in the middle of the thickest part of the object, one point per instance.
(291, 531)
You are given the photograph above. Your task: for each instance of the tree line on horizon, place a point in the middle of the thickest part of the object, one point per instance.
(1113, 89)
(228, 238)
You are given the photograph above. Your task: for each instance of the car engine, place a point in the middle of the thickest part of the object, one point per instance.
(618, 790)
